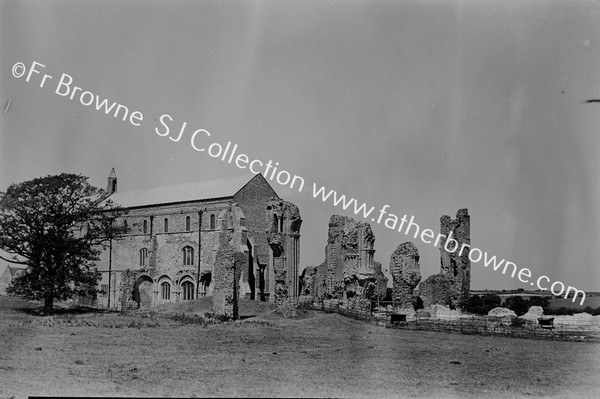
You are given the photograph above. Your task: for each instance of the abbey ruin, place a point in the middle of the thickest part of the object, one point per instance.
(350, 274)
(235, 238)
(226, 238)
(349, 271)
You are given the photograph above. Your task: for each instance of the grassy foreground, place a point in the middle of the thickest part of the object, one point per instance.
(171, 352)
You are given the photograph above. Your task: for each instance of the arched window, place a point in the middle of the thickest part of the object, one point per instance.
(166, 225)
(188, 223)
(165, 290)
(213, 221)
(145, 226)
(144, 257)
(188, 256)
(187, 289)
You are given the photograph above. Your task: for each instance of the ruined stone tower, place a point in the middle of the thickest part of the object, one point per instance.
(451, 287)
(452, 264)
(284, 239)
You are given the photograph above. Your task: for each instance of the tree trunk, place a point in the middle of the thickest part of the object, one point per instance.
(49, 303)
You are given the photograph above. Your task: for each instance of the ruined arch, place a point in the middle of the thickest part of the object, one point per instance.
(142, 291)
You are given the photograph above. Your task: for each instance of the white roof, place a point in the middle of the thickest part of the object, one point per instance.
(210, 189)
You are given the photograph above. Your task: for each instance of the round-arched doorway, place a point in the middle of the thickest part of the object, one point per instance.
(142, 292)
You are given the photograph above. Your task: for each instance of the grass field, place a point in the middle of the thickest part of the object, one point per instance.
(162, 353)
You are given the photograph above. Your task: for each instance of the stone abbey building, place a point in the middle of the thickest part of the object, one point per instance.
(173, 233)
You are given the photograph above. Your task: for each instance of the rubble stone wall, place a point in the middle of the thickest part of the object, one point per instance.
(406, 273)
(454, 262)
(349, 270)
(283, 235)
(229, 261)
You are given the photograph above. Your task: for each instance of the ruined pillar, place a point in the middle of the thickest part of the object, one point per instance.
(283, 237)
(454, 252)
(406, 273)
(451, 287)
(228, 265)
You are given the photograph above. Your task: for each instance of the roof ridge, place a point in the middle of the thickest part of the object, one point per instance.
(220, 187)
(249, 177)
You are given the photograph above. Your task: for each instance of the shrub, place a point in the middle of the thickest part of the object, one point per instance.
(183, 319)
(517, 304)
(542, 301)
(491, 300)
(483, 304)
(222, 318)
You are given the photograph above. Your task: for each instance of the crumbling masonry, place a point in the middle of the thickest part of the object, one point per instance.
(349, 270)
(406, 273)
(307, 280)
(229, 261)
(454, 265)
(171, 236)
(452, 286)
(283, 237)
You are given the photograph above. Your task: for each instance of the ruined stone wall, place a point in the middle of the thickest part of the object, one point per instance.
(226, 281)
(308, 281)
(381, 281)
(452, 286)
(406, 273)
(253, 199)
(320, 286)
(439, 289)
(283, 235)
(453, 264)
(230, 258)
(349, 269)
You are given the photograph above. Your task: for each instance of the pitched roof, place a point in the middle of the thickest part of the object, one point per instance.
(209, 189)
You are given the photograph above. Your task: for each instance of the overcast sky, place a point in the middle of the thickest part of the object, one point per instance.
(428, 106)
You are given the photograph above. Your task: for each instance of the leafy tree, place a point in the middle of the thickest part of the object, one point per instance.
(491, 301)
(475, 305)
(483, 304)
(55, 225)
(517, 304)
(592, 311)
(543, 301)
(475, 301)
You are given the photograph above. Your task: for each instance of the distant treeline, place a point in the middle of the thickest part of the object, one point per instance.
(482, 304)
